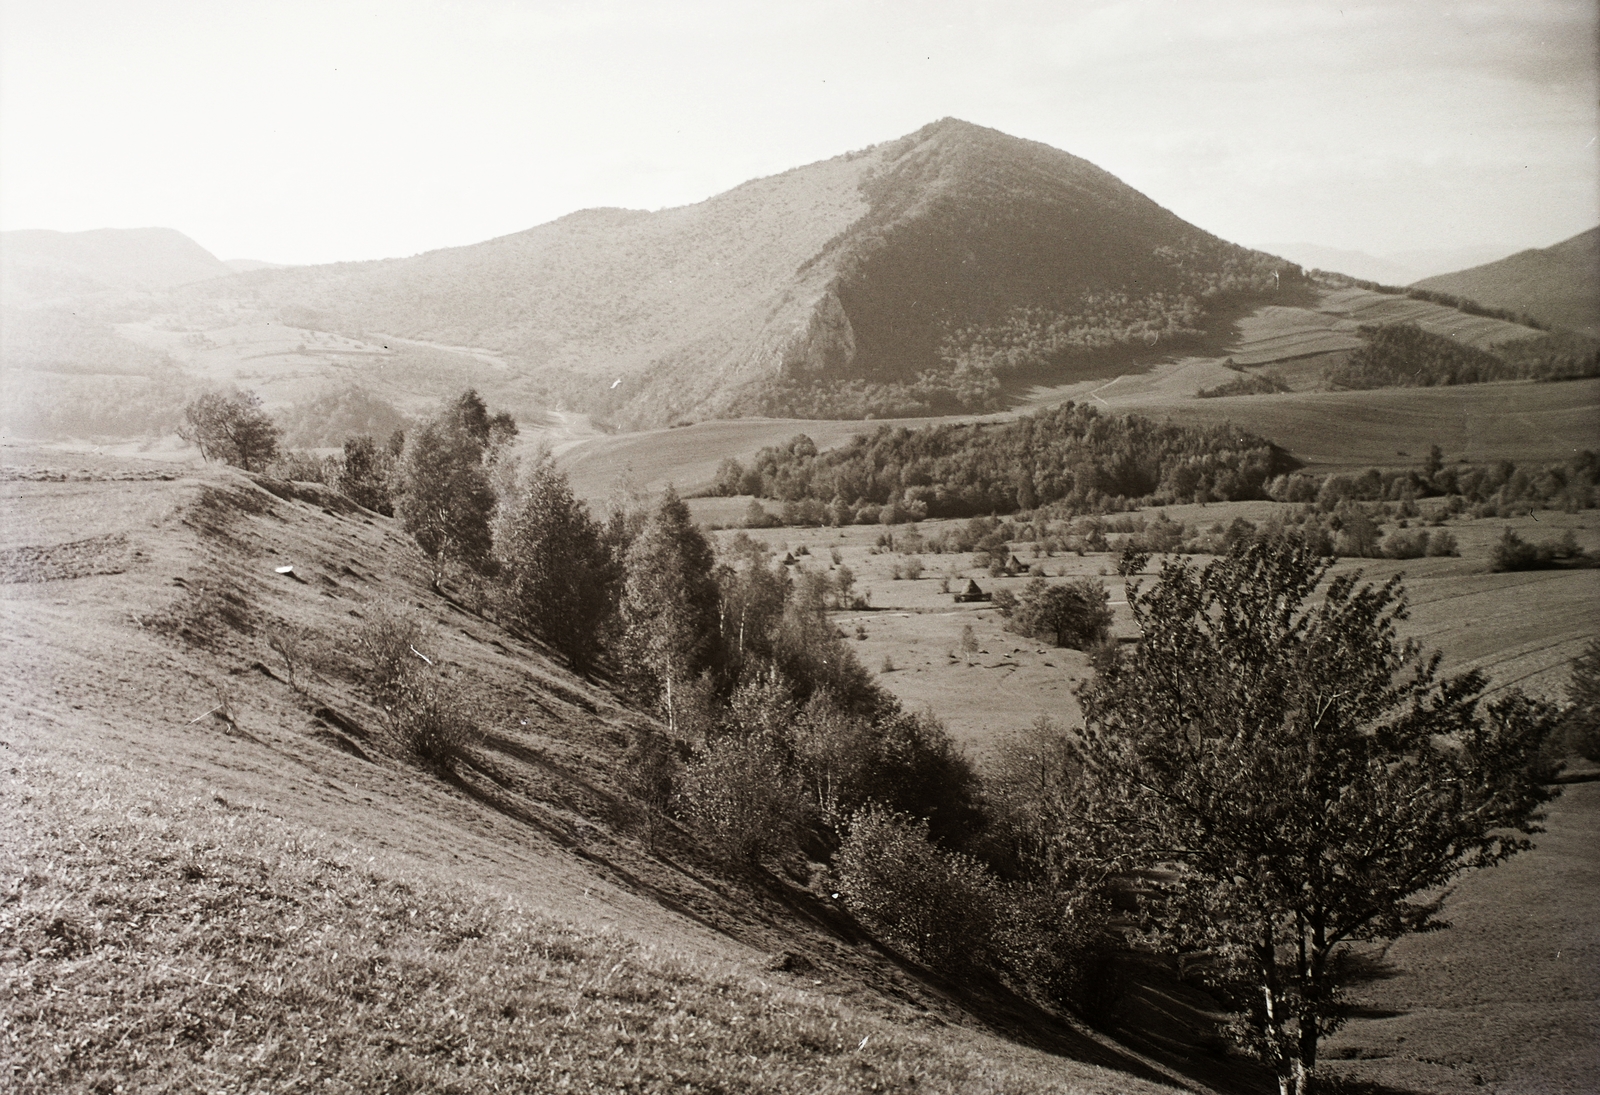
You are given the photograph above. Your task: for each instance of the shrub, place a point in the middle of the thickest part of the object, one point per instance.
(650, 774)
(389, 643)
(431, 717)
(739, 796)
(940, 906)
(1406, 544)
(1441, 542)
(303, 467)
(1512, 552)
(292, 643)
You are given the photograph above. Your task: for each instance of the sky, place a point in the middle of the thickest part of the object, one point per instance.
(338, 129)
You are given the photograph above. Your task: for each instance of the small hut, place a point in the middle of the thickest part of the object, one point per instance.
(972, 593)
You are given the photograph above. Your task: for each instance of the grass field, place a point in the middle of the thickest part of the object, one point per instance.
(1520, 628)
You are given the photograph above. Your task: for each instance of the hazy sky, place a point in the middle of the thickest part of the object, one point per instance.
(312, 132)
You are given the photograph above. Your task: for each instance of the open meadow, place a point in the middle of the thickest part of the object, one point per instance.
(1521, 628)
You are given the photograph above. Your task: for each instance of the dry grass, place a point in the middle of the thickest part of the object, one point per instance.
(155, 939)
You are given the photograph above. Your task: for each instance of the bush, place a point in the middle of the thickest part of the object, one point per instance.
(739, 796)
(431, 717)
(1512, 552)
(1441, 542)
(940, 906)
(390, 643)
(1406, 544)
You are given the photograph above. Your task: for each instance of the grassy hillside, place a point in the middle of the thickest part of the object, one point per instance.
(217, 877)
(1558, 284)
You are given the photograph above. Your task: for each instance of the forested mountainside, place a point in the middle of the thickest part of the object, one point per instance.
(917, 276)
(1558, 285)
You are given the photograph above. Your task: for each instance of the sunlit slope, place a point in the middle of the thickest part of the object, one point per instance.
(1558, 284)
(285, 873)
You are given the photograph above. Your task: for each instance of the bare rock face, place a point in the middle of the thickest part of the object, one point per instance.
(828, 343)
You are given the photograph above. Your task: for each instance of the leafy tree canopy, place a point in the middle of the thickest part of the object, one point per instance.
(1304, 779)
(232, 428)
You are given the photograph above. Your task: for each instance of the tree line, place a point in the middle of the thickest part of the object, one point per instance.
(1403, 355)
(1070, 454)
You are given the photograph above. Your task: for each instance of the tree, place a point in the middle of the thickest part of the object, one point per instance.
(669, 605)
(1581, 721)
(1303, 778)
(554, 564)
(231, 428)
(367, 475)
(1076, 615)
(447, 499)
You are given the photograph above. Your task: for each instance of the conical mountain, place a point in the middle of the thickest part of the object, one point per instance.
(920, 275)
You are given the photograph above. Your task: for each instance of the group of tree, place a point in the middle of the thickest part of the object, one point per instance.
(1404, 355)
(1070, 454)
(1277, 775)
(797, 473)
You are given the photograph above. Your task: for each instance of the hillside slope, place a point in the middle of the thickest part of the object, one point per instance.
(916, 276)
(1558, 284)
(38, 266)
(216, 876)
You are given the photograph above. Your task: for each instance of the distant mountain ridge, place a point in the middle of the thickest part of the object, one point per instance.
(1390, 268)
(38, 265)
(1558, 285)
(916, 276)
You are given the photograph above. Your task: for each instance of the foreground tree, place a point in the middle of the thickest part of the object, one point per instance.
(232, 428)
(1301, 777)
(555, 566)
(669, 605)
(447, 498)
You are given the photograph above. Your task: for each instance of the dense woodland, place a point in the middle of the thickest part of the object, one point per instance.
(1070, 454)
(1405, 356)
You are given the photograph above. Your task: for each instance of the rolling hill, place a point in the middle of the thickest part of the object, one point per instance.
(38, 266)
(918, 276)
(1559, 285)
